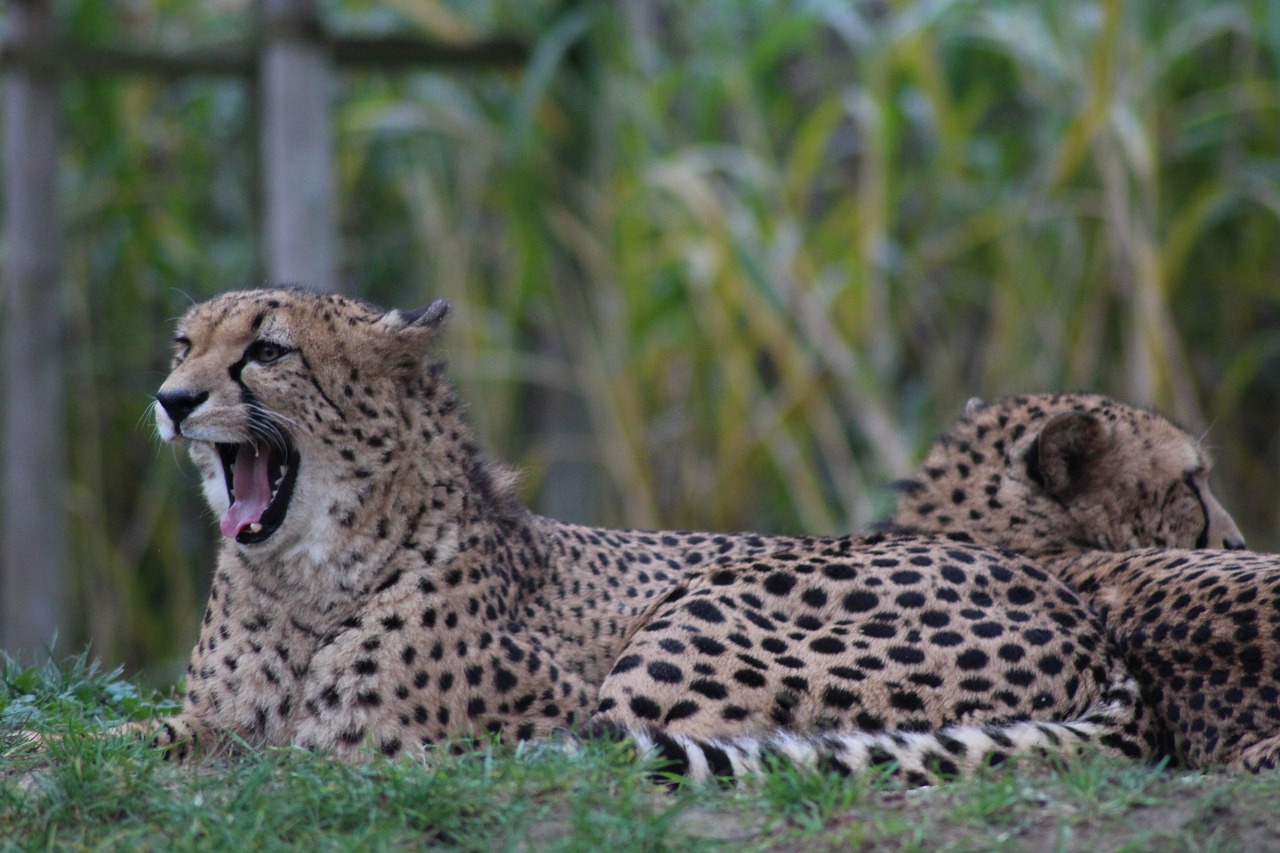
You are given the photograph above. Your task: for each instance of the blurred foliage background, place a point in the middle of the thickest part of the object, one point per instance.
(714, 263)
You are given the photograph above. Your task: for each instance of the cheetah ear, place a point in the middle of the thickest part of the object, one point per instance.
(421, 325)
(1067, 454)
(429, 316)
(406, 337)
(974, 405)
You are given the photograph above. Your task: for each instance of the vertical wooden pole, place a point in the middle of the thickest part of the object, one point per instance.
(301, 230)
(33, 574)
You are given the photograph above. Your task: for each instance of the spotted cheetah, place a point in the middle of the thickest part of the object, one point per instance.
(1199, 630)
(379, 586)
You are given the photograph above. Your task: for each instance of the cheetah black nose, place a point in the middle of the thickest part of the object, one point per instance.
(179, 404)
(1234, 544)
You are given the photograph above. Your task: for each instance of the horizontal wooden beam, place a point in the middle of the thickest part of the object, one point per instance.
(55, 58)
(391, 53)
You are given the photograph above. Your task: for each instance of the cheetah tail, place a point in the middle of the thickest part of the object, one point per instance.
(915, 758)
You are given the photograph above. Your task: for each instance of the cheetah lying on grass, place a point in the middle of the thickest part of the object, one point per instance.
(378, 585)
(1199, 630)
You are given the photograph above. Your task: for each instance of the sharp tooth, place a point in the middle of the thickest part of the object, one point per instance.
(255, 451)
(255, 528)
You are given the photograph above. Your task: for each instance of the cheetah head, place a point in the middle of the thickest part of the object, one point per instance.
(285, 399)
(1051, 472)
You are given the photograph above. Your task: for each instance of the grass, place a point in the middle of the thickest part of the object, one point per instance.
(87, 791)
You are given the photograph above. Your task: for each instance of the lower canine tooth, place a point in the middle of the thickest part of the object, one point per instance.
(255, 528)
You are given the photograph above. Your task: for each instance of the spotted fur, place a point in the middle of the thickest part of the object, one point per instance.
(378, 585)
(1199, 630)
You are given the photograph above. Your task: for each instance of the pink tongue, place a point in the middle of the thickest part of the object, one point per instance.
(253, 491)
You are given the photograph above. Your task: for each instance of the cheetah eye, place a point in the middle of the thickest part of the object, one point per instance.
(265, 352)
(181, 347)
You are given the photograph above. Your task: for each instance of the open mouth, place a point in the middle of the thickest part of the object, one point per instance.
(260, 479)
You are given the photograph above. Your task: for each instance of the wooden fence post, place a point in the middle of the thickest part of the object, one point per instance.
(301, 239)
(33, 570)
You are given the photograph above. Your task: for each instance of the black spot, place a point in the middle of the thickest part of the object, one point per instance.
(1020, 677)
(827, 645)
(910, 600)
(835, 697)
(1020, 595)
(706, 645)
(773, 645)
(796, 683)
(935, 619)
(779, 583)
(861, 601)
(1037, 636)
(627, 664)
(704, 610)
(814, 597)
(878, 630)
(504, 680)
(681, 710)
(839, 571)
(665, 672)
(1011, 653)
(906, 701)
(710, 689)
(1050, 665)
(906, 654)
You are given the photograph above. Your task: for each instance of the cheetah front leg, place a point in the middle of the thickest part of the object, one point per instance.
(177, 737)
(180, 737)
